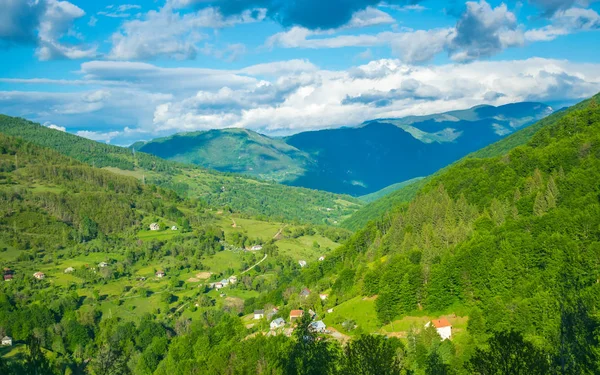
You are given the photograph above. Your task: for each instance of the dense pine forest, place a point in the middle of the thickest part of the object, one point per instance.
(504, 244)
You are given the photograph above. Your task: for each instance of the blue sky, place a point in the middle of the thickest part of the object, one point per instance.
(124, 71)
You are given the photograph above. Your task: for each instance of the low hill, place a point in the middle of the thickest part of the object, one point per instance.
(232, 150)
(241, 194)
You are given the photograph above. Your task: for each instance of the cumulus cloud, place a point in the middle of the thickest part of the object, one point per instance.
(481, 31)
(50, 125)
(45, 23)
(286, 97)
(179, 34)
(310, 14)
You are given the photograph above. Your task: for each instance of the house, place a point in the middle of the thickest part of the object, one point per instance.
(160, 274)
(259, 314)
(329, 311)
(174, 228)
(6, 341)
(39, 275)
(318, 326)
(296, 314)
(154, 226)
(302, 263)
(69, 269)
(233, 279)
(218, 286)
(102, 264)
(312, 313)
(442, 326)
(323, 296)
(321, 258)
(277, 323)
(305, 292)
(224, 282)
(8, 277)
(256, 248)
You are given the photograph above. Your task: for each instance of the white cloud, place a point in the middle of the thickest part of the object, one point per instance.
(286, 97)
(50, 125)
(481, 32)
(179, 33)
(56, 22)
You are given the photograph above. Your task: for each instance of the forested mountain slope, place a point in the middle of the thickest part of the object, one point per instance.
(376, 209)
(241, 194)
(512, 239)
(232, 150)
(351, 160)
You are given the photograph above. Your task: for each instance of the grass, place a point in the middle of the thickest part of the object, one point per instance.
(157, 235)
(301, 248)
(223, 260)
(361, 311)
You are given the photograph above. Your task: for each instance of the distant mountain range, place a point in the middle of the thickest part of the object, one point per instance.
(358, 160)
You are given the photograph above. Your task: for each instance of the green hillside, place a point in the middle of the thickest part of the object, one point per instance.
(388, 190)
(512, 241)
(233, 150)
(241, 194)
(377, 208)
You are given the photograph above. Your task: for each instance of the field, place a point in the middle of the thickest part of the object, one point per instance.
(302, 248)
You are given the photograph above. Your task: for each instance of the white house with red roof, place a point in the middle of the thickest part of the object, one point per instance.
(442, 326)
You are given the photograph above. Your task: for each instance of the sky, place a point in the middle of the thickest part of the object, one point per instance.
(124, 71)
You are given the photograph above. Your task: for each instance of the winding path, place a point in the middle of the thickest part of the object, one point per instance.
(259, 262)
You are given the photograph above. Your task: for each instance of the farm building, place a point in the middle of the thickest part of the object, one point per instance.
(259, 314)
(302, 263)
(39, 275)
(102, 264)
(323, 296)
(8, 277)
(318, 326)
(69, 269)
(160, 273)
(277, 323)
(321, 258)
(174, 228)
(154, 226)
(233, 279)
(7, 341)
(305, 292)
(296, 314)
(442, 326)
(256, 248)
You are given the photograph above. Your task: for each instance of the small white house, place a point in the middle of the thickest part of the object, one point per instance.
(69, 269)
(318, 326)
(323, 296)
(7, 341)
(174, 228)
(218, 286)
(103, 265)
(154, 226)
(277, 323)
(442, 326)
(302, 263)
(39, 275)
(160, 274)
(256, 248)
(233, 279)
(329, 311)
(259, 314)
(321, 258)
